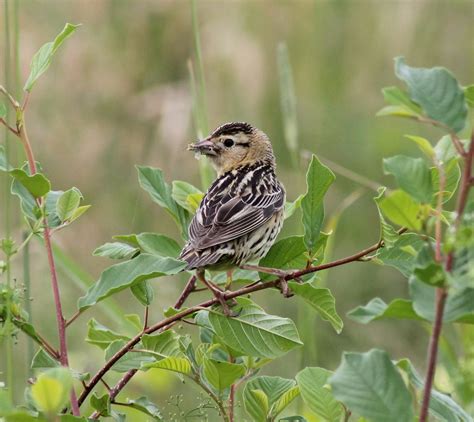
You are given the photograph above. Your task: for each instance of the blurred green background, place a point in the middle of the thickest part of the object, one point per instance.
(118, 94)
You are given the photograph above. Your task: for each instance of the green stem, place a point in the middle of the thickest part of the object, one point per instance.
(27, 281)
(211, 394)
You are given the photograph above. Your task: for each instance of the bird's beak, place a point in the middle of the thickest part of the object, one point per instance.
(205, 147)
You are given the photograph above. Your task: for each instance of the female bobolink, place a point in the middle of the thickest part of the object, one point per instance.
(242, 212)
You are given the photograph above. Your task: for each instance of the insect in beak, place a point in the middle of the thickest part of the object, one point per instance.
(205, 147)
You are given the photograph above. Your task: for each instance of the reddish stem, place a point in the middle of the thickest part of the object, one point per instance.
(441, 293)
(63, 353)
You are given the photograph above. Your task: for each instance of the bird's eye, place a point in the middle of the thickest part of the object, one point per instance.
(228, 142)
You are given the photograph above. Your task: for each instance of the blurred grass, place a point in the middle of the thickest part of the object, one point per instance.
(120, 95)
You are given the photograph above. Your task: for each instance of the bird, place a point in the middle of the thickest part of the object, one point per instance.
(242, 212)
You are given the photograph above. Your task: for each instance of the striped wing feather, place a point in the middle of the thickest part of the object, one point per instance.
(232, 217)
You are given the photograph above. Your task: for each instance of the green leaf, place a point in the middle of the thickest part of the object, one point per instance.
(116, 250)
(318, 180)
(387, 233)
(445, 150)
(101, 404)
(4, 165)
(28, 204)
(377, 309)
(441, 406)
(295, 418)
(284, 401)
(101, 336)
(222, 374)
(186, 195)
(41, 359)
(78, 212)
(459, 305)
(452, 173)
(396, 111)
(68, 203)
(321, 300)
(287, 253)
(369, 385)
(38, 185)
(396, 97)
(144, 405)
(158, 244)
(134, 320)
(400, 208)
(143, 291)
(131, 360)
(412, 175)
(131, 239)
(469, 95)
(42, 59)
(166, 350)
(436, 91)
(255, 333)
(462, 274)
(403, 254)
(121, 276)
(151, 180)
(51, 390)
(319, 398)
(432, 274)
(261, 393)
(258, 406)
(424, 145)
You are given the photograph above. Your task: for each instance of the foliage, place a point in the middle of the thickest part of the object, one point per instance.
(432, 247)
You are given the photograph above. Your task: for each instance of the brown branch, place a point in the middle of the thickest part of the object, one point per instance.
(166, 323)
(188, 289)
(441, 293)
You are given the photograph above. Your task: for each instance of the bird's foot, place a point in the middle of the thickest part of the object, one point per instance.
(283, 286)
(226, 308)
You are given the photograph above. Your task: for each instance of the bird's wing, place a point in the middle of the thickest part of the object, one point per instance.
(221, 218)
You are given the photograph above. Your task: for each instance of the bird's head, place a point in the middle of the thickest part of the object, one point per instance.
(233, 145)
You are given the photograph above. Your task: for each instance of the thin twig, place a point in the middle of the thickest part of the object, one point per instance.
(76, 315)
(188, 289)
(11, 129)
(458, 145)
(166, 323)
(12, 101)
(212, 395)
(106, 385)
(145, 318)
(114, 391)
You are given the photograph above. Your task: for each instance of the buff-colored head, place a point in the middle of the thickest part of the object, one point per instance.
(233, 145)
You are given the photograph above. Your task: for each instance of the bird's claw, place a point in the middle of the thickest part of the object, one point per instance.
(226, 309)
(283, 286)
